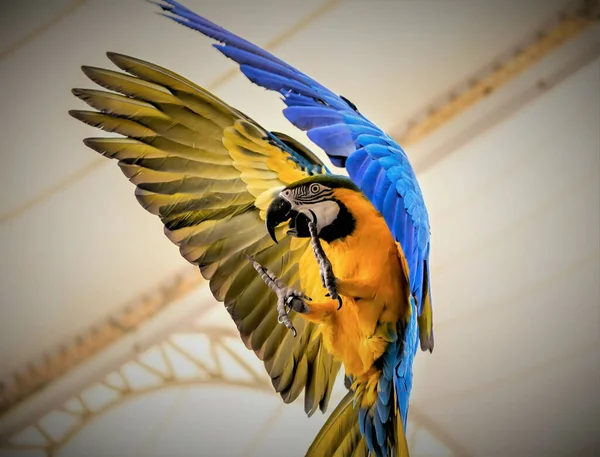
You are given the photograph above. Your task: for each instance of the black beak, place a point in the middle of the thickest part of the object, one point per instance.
(278, 211)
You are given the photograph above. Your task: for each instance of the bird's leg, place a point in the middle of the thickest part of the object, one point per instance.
(358, 287)
(287, 298)
(327, 277)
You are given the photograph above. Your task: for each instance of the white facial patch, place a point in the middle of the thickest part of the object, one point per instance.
(326, 212)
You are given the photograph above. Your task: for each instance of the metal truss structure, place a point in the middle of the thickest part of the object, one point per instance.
(198, 356)
(26, 382)
(577, 17)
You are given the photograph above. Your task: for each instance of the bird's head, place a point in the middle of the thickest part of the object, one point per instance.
(316, 199)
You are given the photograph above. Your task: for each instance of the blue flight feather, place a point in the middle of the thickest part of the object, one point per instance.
(247, 58)
(362, 420)
(383, 405)
(370, 178)
(294, 100)
(403, 372)
(335, 138)
(380, 432)
(275, 82)
(368, 139)
(369, 435)
(310, 117)
(361, 129)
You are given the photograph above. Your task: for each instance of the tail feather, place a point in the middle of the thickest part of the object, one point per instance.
(361, 450)
(337, 435)
(401, 447)
(341, 435)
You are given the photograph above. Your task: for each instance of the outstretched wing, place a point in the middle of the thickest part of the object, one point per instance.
(374, 161)
(209, 172)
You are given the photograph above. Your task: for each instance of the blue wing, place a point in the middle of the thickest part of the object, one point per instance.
(374, 161)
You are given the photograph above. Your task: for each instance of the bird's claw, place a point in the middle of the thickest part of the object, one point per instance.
(338, 298)
(287, 297)
(328, 278)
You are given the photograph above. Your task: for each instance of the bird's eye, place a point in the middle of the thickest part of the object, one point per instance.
(314, 188)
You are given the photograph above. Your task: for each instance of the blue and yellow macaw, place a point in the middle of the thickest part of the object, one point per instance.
(216, 178)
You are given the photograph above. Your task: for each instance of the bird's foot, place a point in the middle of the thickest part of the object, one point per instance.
(287, 297)
(327, 277)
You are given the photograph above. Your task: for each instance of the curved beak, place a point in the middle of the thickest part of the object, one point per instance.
(278, 211)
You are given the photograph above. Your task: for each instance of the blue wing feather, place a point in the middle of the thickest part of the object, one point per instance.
(336, 139)
(403, 373)
(276, 82)
(310, 117)
(295, 100)
(397, 362)
(362, 420)
(370, 177)
(247, 58)
(380, 430)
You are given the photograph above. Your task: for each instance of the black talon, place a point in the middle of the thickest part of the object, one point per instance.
(339, 299)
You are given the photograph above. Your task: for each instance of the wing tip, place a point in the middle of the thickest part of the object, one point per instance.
(81, 94)
(78, 114)
(91, 143)
(89, 69)
(123, 61)
(112, 56)
(94, 73)
(427, 342)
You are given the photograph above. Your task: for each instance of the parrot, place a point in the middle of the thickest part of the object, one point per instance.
(317, 270)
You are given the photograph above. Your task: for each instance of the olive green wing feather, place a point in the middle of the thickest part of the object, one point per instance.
(209, 172)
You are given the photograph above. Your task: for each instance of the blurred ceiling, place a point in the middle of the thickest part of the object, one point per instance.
(511, 184)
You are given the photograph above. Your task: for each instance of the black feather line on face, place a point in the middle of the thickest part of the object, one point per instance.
(330, 181)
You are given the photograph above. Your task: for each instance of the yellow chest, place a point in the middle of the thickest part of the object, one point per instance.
(358, 333)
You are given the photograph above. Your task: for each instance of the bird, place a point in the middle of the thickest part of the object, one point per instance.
(318, 270)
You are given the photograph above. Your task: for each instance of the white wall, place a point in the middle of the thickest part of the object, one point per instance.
(516, 252)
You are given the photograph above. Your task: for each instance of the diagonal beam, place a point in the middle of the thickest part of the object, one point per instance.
(568, 24)
(22, 384)
(59, 386)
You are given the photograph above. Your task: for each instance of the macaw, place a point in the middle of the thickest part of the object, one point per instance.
(341, 261)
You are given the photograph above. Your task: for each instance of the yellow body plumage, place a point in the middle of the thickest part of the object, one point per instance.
(372, 282)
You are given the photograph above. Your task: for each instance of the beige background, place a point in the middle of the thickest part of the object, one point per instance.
(512, 186)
